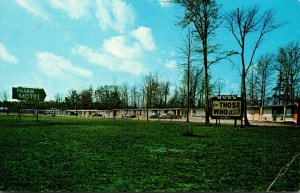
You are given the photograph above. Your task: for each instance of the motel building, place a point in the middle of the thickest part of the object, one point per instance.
(123, 113)
(272, 113)
(53, 112)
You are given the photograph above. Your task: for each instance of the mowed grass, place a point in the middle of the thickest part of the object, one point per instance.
(69, 154)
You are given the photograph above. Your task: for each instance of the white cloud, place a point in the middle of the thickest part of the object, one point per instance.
(118, 46)
(164, 3)
(115, 14)
(57, 66)
(144, 35)
(172, 64)
(4, 55)
(121, 53)
(110, 60)
(172, 53)
(34, 7)
(75, 8)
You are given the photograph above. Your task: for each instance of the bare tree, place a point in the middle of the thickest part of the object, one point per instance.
(150, 86)
(288, 58)
(175, 98)
(4, 95)
(204, 16)
(58, 97)
(123, 92)
(187, 52)
(264, 73)
(166, 92)
(134, 96)
(218, 86)
(252, 86)
(242, 23)
(163, 93)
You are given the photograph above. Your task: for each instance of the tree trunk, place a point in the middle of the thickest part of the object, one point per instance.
(245, 102)
(284, 111)
(262, 100)
(206, 98)
(147, 104)
(244, 99)
(188, 93)
(292, 90)
(165, 105)
(204, 45)
(260, 113)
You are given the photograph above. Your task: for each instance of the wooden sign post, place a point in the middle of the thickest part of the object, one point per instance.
(28, 94)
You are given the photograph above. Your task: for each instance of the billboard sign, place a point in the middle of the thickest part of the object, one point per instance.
(226, 106)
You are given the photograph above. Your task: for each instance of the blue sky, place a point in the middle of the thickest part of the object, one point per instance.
(60, 45)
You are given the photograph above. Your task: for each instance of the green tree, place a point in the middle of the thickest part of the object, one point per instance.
(86, 98)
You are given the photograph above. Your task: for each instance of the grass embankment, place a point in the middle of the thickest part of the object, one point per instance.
(69, 154)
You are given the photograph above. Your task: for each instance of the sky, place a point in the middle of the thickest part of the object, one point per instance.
(61, 45)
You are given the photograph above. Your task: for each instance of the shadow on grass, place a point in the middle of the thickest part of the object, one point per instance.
(193, 135)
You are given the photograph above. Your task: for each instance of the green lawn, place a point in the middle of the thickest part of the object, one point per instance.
(69, 154)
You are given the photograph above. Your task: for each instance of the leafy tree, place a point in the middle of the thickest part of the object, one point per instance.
(108, 97)
(72, 99)
(86, 98)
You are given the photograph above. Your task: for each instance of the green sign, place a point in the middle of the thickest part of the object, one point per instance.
(29, 94)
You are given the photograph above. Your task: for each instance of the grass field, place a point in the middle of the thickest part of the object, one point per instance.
(69, 154)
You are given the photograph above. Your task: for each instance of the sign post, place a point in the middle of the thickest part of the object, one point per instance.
(226, 106)
(28, 94)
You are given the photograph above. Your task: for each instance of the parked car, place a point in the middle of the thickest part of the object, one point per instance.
(96, 115)
(130, 115)
(72, 113)
(168, 116)
(49, 114)
(154, 115)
